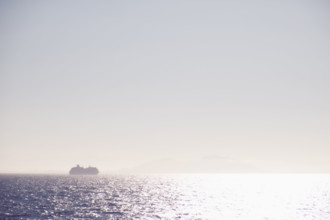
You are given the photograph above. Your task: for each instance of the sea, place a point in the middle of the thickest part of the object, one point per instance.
(179, 196)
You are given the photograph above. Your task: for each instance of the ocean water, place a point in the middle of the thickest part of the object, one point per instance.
(204, 196)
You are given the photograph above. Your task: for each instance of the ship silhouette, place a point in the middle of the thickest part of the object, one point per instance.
(78, 170)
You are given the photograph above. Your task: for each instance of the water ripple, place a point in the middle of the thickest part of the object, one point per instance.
(165, 197)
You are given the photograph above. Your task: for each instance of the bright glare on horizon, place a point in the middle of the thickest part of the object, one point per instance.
(172, 86)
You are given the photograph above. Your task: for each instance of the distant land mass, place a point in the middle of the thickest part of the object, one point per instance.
(78, 170)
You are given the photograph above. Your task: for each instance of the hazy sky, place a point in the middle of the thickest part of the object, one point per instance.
(189, 86)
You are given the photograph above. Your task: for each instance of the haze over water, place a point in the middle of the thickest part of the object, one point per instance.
(174, 86)
(218, 98)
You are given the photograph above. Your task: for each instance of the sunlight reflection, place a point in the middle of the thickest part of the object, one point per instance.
(252, 196)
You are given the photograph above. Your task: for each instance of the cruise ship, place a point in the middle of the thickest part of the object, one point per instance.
(78, 170)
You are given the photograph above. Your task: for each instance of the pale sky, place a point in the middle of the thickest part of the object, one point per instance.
(165, 86)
